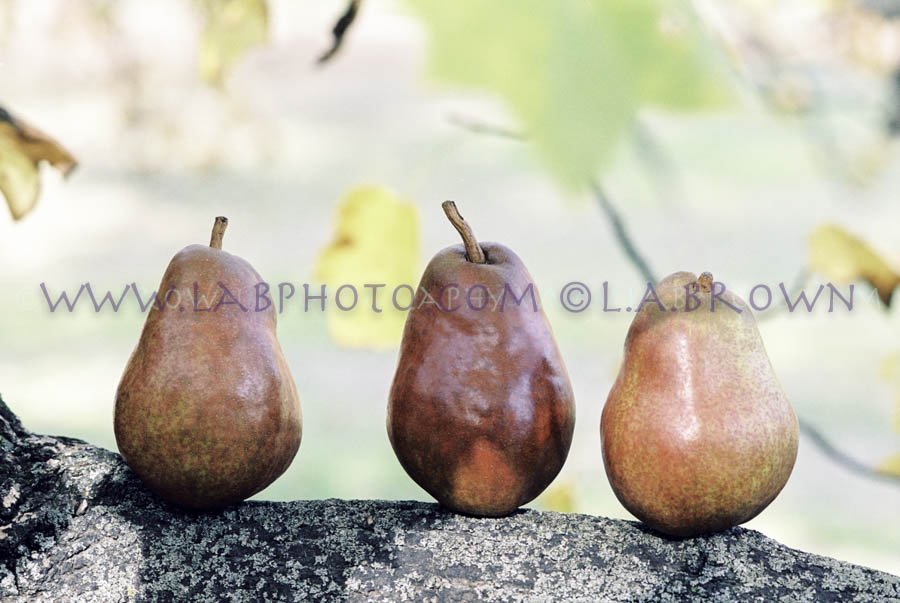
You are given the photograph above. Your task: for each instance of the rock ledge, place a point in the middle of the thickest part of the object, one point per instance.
(76, 524)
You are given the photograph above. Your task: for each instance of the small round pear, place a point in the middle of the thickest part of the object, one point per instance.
(697, 433)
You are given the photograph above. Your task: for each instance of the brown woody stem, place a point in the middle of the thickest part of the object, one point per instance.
(218, 232)
(705, 282)
(474, 253)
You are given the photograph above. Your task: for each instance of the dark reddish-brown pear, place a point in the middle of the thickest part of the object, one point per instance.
(481, 411)
(697, 433)
(207, 412)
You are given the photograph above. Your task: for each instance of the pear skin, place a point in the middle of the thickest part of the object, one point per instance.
(697, 433)
(207, 412)
(481, 411)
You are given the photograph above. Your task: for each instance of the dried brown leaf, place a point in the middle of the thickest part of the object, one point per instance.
(22, 148)
(843, 258)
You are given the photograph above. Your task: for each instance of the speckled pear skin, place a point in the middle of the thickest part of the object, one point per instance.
(207, 412)
(481, 410)
(697, 434)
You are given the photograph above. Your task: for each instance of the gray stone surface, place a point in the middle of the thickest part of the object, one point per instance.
(77, 525)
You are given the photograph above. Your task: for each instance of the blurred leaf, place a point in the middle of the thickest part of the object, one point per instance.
(22, 148)
(890, 466)
(890, 368)
(559, 497)
(889, 9)
(574, 73)
(340, 30)
(890, 372)
(871, 160)
(232, 28)
(376, 242)
(844, 258)
(868, 37)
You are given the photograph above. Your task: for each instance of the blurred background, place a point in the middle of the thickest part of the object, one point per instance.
(756, 139)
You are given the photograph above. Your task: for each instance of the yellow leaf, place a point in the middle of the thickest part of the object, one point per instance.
(890, 466)
(559, 497)
(376, 243)
(22, 148)
(890, 368)
(890, 372)
(232, 28)
(843, 257)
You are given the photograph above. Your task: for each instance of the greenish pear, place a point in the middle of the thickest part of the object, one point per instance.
(697, 433)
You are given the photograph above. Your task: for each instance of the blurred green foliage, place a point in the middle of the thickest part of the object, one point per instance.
(574, 73)
(232, 27)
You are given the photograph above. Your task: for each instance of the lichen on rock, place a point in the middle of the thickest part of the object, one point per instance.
(77, 525)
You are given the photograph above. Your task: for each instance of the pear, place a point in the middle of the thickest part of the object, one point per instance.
(698, 435)
(207, 412)
(481, 410)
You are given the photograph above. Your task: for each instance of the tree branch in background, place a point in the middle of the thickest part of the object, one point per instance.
(657, 163)
(843, 459)
(894, 113)
(340, 30)
(889, 9)
(621, 234)
(640, 264)
(477, 126)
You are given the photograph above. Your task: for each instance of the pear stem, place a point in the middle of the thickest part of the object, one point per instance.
(705, 282)
(474, 252)
(218, 232)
